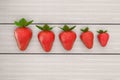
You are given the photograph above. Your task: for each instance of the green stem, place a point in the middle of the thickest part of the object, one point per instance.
(67, 28)
(85, 29)
(102, 31)
(23, 22)
(46, 27)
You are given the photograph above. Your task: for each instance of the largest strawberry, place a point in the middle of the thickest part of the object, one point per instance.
(23, 34)
(46, 37)
(67, 37)
(87, 37)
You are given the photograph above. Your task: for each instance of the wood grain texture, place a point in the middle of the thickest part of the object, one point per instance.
(60, 10)
(9, 44)
(60, 67)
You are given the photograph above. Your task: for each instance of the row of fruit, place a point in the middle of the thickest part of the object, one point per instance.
(46, 37)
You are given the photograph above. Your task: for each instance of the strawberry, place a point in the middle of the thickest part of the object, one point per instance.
(103, 37)
(23, 34)
(46, 37)
(87, 37)
(67, 37)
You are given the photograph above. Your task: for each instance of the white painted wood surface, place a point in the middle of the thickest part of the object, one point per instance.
(9, 44)
(54, 67)
(60, 10)
(59, 67)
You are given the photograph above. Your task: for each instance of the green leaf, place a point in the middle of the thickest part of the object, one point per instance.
(45, 27)
(28, 23)
(67, 28)
(72, 27)
(102, 31)
(85, 29)
(39, 27)
(23, 22)
(105, 31)
(50, 28)
(17, 23)
(82, 30)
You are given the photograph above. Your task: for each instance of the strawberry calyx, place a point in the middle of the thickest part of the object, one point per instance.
(67, 28)
(102, 31)
(23, 22)
(46, 27)
(85, 29)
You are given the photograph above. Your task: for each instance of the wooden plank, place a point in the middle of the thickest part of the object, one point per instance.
(60, 67)
(60, 10)
(22, 67)
(8, 42)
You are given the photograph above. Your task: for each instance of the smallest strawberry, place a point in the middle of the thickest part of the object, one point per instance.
(103, 37)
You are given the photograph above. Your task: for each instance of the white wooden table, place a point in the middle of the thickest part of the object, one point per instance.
(60, 67)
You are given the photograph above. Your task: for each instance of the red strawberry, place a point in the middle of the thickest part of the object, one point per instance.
(46, 37)
(103, 37)
(23, 34)
(87, 37)
(67, 37)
